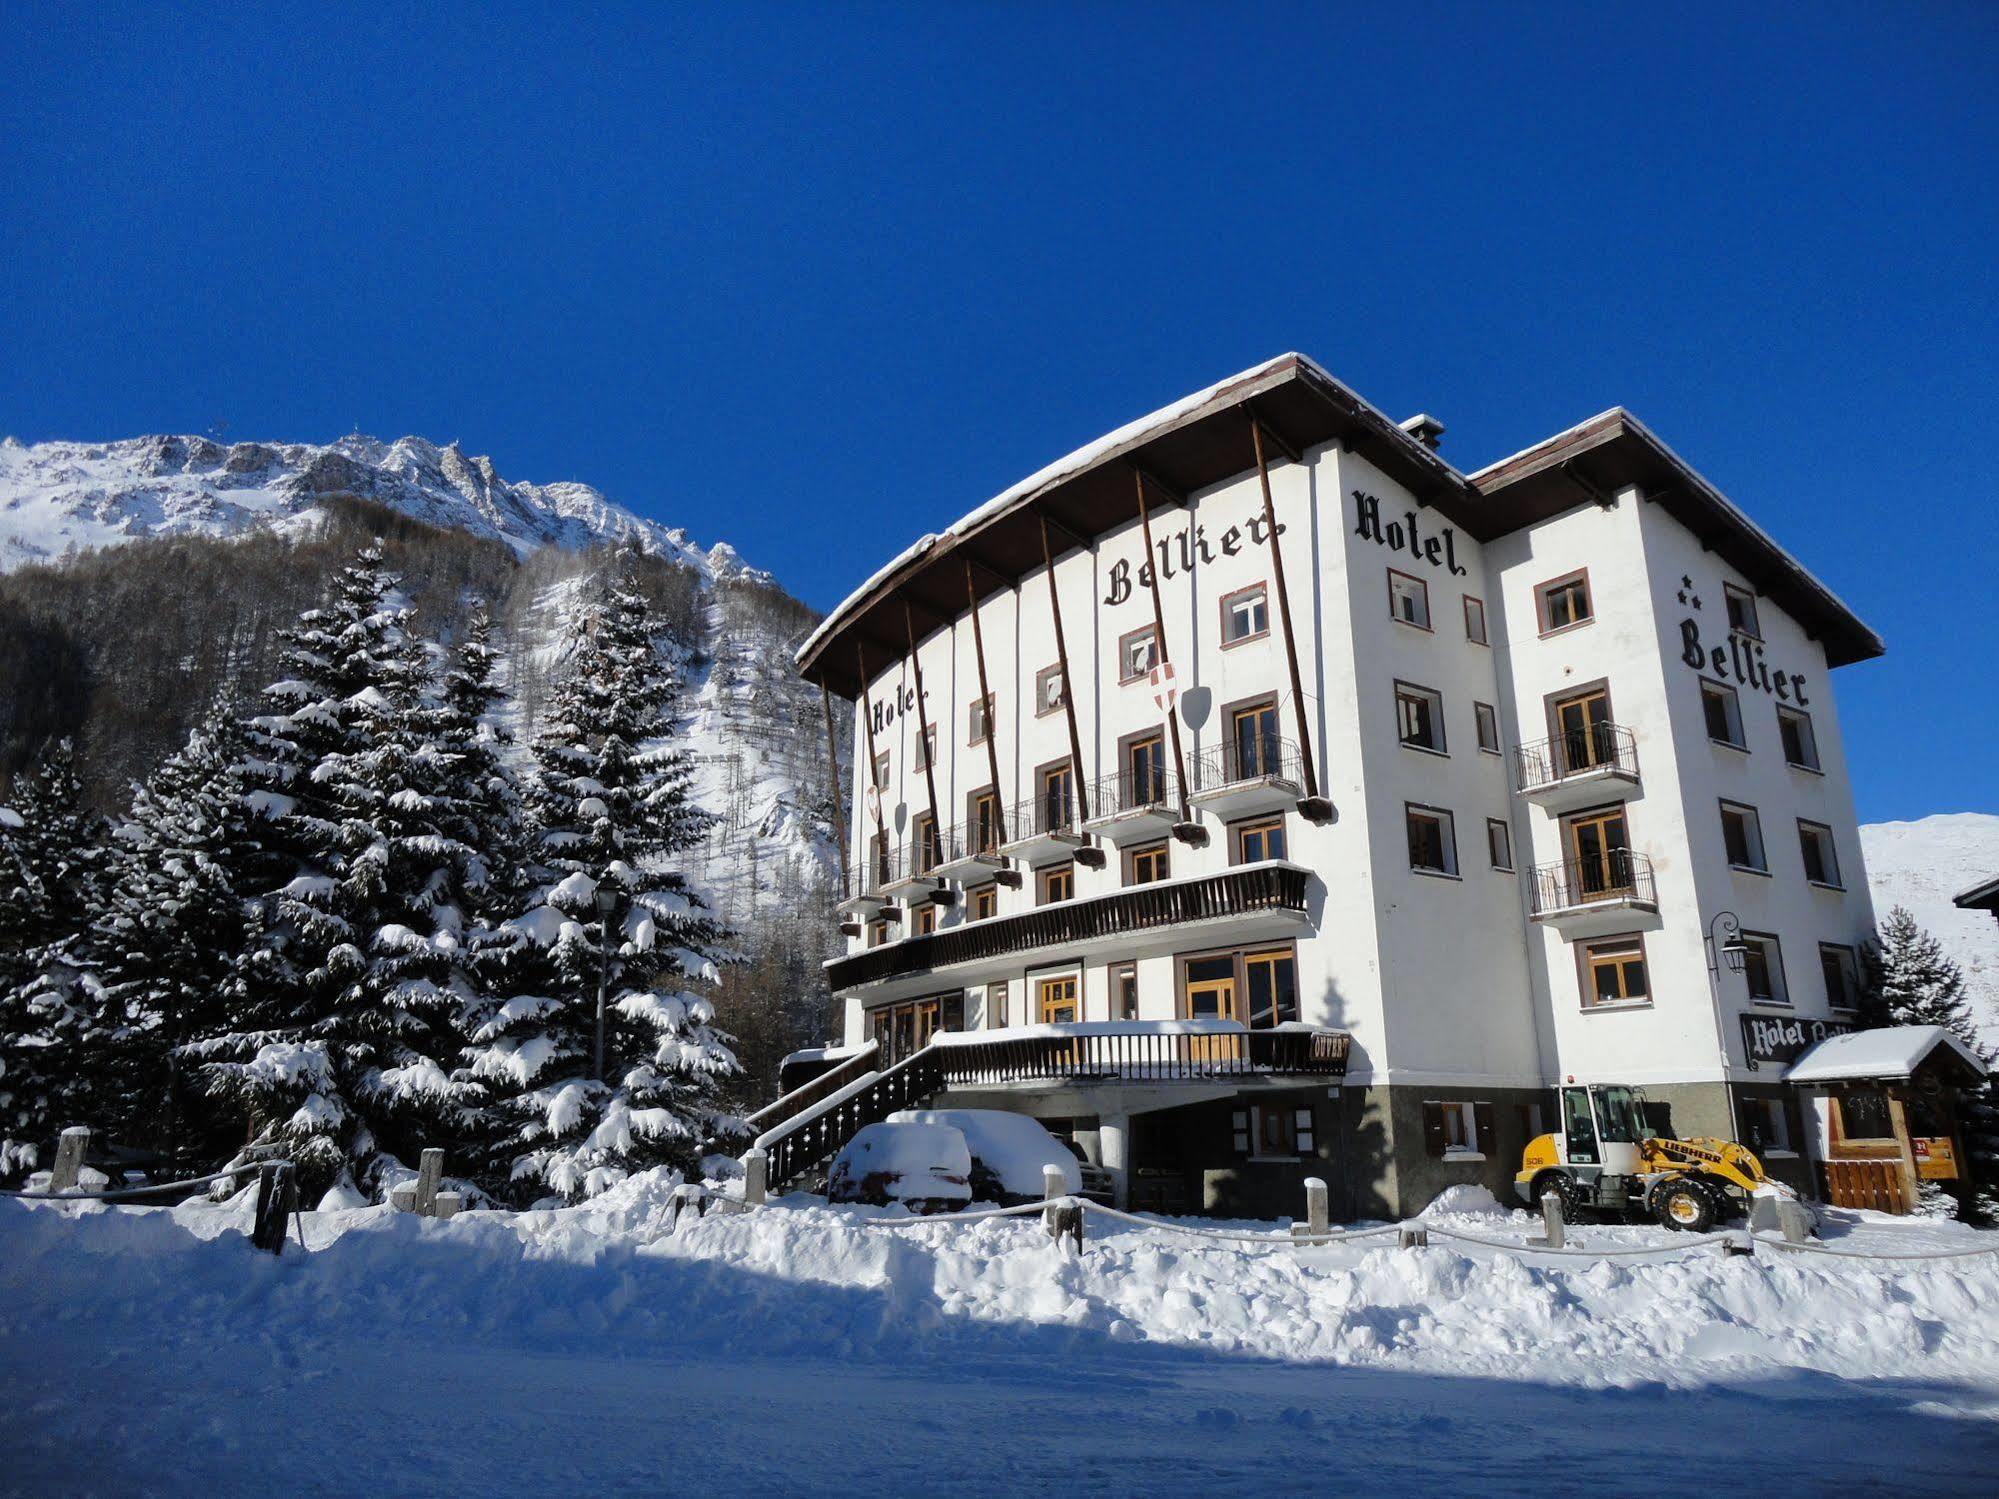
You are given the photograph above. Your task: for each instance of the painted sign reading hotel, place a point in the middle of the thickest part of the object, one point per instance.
(1440, 550)
(902, 700)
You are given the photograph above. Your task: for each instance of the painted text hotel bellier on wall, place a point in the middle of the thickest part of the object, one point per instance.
(1251, 795)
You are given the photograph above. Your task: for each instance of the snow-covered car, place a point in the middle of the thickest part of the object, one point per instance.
(1009, 1152)
(1097, 1185)
(925, 1167)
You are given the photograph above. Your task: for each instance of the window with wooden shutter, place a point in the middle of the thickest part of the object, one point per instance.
(1486, 1134)
(1433, 1130)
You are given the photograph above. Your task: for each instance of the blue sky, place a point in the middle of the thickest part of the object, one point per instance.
(817, 279)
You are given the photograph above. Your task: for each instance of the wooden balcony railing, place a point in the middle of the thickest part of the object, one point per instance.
(1234, 892)
(1140, 1054)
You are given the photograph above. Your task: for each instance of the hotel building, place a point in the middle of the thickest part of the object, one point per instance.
(1252, 795)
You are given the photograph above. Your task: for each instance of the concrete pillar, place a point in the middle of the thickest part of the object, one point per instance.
(68, 1168)
(429, 1172)
(756, 1176)
(1114, 1154)
(1318, 1211)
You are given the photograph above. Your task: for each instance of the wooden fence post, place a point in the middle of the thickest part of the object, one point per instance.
(448, 1204)
(1409, 1236)
(1551, 1219)
(429, 1172)
(68, 1167)
(1318, 1208)
(756, 1176)
(1054, 1187)
(276, 1196)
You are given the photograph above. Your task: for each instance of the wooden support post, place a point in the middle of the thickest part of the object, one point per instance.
(68, 1167)
(991, 707)
(429, 1173)
(923, 740)
(756, 1176)
(402, 1197)
(277, 1196)
(874, 760)
(450, 1204)
(1188, 831)
(1054, 1187)
(1078, 774)
(1314, 807)
(839, 797)
(1410, 1236)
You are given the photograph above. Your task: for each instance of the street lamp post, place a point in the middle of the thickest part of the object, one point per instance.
(607, 902)
(1724, 946)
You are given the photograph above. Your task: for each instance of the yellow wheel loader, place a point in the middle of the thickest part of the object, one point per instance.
(1605, 1158)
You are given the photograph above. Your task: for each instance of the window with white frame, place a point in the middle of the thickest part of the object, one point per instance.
(1821, 857)
(979, 715)
(1048, 690)
(1409, 599)
(1485, 722)
(1801, 746)
(1419, 717)
(1724, 714)
(1475, 620)
(926, 748)
(1456, 1130)
(1245, 614)
(1138, 653)
(1840, 967)
(1564, 602)
(1742, 611)
(1433, 841)
(1742, 836)
(1763, 969)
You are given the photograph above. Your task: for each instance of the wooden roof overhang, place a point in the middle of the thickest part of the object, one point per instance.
(1590, 463)
(1187, 449)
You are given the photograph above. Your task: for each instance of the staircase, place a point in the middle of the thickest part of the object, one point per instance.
(813, 1133)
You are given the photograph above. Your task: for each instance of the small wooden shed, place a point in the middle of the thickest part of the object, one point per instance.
(1885, 1102)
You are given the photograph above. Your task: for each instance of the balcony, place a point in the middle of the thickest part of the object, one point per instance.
(1041, 828)
(1241, 779)
(863, 895)
(1135, 805)
(1578, 767)
(1588, 897)
(1274, 889)
(970, 853)
(1137, 1051)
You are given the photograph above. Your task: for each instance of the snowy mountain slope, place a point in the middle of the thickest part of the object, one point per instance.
(1921, 865)
(59, 496)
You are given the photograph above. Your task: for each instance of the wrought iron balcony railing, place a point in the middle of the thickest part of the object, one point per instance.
(1598, 748)
(1145, 789)
(1621, 875)
(1233, 763)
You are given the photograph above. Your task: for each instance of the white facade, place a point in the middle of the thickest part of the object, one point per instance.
(1443, 980)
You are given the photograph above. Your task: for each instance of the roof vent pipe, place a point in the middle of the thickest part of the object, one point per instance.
(1425, 428)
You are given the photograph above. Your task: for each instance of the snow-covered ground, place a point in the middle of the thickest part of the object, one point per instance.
(797, 1350)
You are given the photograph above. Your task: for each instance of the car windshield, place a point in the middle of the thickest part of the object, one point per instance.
(1620, 1120)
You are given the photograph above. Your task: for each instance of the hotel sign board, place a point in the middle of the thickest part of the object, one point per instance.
(1782, 1039)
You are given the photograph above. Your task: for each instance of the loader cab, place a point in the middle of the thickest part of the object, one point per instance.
(1601, 1126)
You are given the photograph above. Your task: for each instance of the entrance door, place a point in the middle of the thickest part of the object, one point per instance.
(1582, 727)
(1578, 1126)
(1060, 1000)
(1599, 853)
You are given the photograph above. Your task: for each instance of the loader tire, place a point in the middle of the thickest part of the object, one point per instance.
(1684, 1202)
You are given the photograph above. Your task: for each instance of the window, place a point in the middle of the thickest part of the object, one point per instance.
(1457, 1131)
(1058, 798)
(923, 920)
(951, 1011)
(1864, 1115)
(925, 846)
(1432, 840)
(1137, 654)
(1585, 737)
(1253, 742)
(1061, 1001)
(1742, 834)
(1419, 717)
(1048, 690)
(1485, 722)
(1245, 614)
(1144, 780)
(983, 822)
(1741, 611)
(877, 861)
(980, 716)
(1475, 620)
(926, 748)
(1763, 1127)
(1614, 972)
(996, 1004)
(1146, 866)
(1271, 981)
(1057, 882)
(1564, 602)
(878, 931)
(1409, 599)
(984, 902)
(1821, 858)
(1801, 746)
(881, 771)
(1210, 987)
(1724, 714)
(1262, 839)
(1499, 842)
(1842, 976)
(1763, 969)
(1124, 991)
(1598, 845)
(1272, 1131)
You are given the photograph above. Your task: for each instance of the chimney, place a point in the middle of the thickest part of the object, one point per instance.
(1425, 428)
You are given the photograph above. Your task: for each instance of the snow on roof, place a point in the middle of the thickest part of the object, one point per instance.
(1979, 897)
(1082, 458)
(1891, 1052)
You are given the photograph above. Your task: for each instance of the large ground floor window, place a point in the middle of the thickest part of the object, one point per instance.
(901, 1030)
(1255, 985)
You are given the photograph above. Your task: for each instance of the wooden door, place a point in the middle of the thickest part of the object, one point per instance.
(1213, 994)
(1582, 729)
(1254, 742)
(1144, 772)
(1599, 853)
(1060, 1000)
(1058, 799)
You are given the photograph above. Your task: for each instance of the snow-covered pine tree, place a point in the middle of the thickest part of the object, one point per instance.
(348, 1037)
(171, 945)
(52, 858)
(610, 806)
(1910, 980)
